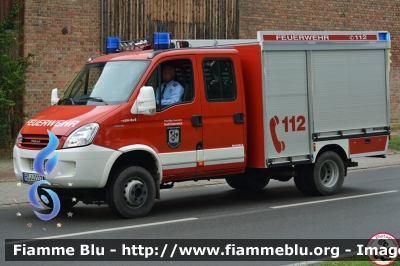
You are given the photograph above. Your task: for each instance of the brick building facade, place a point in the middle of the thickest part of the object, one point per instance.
(59, 56)
(329, 15)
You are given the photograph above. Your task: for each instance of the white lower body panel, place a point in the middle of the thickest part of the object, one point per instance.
(82, 167)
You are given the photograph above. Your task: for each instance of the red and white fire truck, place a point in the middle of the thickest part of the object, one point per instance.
(289, 104)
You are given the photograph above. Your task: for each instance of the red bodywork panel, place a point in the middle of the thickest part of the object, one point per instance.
(369, 144)
(217, 135)
(250, 56)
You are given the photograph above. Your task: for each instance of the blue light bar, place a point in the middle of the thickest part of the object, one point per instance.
(384, 36)
(162, 40)
(112, 44)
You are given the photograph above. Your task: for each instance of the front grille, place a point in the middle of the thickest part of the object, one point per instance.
(34, 142)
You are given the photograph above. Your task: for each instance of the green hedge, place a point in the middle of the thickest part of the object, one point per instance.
(13, 75)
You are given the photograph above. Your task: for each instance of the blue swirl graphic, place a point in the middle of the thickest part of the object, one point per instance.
(49, 166)
(34, 202)
(51, 163)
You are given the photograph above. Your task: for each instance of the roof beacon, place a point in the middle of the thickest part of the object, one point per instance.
(162, 40)
(112, 44)
(384, 36)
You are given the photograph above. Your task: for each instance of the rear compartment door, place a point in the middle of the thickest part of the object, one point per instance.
(349, 91)
(286, 101)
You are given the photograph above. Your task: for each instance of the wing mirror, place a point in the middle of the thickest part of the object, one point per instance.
(145, 103)
(54, 96)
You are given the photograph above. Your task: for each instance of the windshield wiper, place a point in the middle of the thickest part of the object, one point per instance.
(71, 100)
(97, 99)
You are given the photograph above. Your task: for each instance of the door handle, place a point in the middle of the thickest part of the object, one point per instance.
(197, 120)
(238, 118)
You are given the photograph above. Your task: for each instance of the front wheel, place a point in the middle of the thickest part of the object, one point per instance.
(65, 203)
(131, 193)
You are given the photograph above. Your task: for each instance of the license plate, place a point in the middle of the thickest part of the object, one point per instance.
(31, 177)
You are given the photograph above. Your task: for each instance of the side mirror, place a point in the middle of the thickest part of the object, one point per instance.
(145, 103)
(54, 96)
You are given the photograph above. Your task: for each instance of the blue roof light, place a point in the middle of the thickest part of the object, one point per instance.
(384, 36)
(112, 44)
(162, 40)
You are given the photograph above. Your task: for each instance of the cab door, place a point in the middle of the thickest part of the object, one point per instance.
(222, 107)
(170, 132)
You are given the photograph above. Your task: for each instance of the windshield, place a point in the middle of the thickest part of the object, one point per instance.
(104, 83)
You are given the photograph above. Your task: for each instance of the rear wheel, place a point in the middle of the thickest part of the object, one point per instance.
(250, 180)
(256, 182)
(235, 181)
(328, 173)
(131, 193)
(300, 179)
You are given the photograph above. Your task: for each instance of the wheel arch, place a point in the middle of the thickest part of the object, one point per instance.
(339, 150)
(143, 156)
(335, 148)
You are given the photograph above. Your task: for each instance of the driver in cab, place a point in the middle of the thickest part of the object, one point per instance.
(171, 90)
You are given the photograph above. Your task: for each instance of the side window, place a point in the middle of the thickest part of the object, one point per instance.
(219, 80)
(172, 82)
(155, 79)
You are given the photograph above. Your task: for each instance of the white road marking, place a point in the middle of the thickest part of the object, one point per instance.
(327, 200)
(106, 230)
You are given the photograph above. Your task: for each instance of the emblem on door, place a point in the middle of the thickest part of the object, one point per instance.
(173, 137)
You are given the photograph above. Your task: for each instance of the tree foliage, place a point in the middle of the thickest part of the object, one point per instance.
(13, 75)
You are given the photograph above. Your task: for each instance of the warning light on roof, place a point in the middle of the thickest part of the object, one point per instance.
(384, 36)
(162, 40)
(112, 44)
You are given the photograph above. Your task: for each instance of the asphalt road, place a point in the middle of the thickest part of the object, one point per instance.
(368, 203)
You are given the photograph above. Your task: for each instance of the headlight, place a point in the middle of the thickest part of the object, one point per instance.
(19, 138)
(82, 136)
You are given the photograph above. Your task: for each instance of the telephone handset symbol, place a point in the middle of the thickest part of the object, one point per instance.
(279, 145)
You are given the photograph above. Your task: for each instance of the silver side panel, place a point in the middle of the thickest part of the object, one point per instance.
(349, 90)
(338, 83)
(286, 102)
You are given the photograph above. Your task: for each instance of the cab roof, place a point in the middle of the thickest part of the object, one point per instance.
(150, 54)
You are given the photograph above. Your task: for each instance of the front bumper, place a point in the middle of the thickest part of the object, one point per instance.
(82, 167)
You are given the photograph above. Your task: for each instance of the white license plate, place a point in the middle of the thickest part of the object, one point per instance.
(31, 177)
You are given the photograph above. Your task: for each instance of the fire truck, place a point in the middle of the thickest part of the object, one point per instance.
(298, 105)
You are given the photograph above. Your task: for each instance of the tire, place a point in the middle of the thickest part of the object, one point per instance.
(236, 181)
(304, 173)
(65, 203)
(328, 174)
(131, 192)
(248, 181)
(298, 181)
(256, 182)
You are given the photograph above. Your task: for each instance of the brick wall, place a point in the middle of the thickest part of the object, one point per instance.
(328, 15)
(395, 95)
(58, 57)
